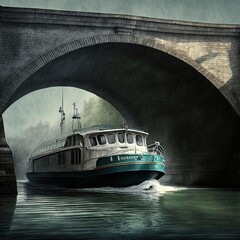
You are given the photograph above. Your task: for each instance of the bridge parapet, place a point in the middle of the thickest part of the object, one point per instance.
(27, 34)
(37, 45)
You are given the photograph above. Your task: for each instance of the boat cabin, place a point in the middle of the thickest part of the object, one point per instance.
(83, 148)
(117, 138)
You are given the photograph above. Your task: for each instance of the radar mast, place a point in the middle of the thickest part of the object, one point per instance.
(76, 124)
(61, 111)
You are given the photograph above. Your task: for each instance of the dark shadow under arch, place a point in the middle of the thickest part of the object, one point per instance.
(163, 95)
(30, 68)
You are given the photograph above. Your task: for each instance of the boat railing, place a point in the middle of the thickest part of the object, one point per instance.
(43, 152)
(48, 146)
(156, 148)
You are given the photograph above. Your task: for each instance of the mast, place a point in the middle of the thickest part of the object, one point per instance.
(62, 121)
(76, 124)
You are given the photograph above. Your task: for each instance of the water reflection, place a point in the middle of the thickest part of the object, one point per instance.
(7, 207)
(148, 210)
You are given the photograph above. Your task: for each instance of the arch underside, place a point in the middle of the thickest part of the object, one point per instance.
(16, 79)
(157, 92)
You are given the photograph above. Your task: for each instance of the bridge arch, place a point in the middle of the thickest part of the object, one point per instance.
(14, 81)
(183, 132)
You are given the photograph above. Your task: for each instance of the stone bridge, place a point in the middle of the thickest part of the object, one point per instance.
(177, 80)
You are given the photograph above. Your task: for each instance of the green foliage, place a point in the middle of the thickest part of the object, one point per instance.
(97, 111)
(23, 145)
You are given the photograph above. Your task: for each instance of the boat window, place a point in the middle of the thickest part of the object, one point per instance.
(78, 156)
(59, 159)
(64, 158)
(93, 141)
(72, 157)
(129, 138)
(101, 139)
(145, 141)
(35, 164)
(75, 156)
(46, 162)
(74, 140)
(77, 140)
(111, 138)
(121, 137)
(68, 142)
(139, 140)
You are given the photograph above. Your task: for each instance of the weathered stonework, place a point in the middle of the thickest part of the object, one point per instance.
(29, 36)
(7, 173)
(36, 45)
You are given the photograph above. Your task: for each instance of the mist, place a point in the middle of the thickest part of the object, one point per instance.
(34, 119)
(23, 145)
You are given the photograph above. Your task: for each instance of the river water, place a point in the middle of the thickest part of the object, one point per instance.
(149, 210)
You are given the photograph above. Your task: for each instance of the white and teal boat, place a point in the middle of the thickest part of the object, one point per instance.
(95, 157)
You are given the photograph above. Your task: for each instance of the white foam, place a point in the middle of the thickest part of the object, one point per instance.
(22, 181)
(150, 186)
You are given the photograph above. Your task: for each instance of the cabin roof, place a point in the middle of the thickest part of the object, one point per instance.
(59, 142)
(99, 128)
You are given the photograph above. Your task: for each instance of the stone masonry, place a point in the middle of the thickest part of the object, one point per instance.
(28, 35)
(32, 38)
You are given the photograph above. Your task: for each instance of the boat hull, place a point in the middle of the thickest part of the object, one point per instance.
(76, 180)
(114, 171)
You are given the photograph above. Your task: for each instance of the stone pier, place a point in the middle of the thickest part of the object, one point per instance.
(8, 184)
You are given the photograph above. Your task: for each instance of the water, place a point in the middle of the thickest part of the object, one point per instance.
(149, 210)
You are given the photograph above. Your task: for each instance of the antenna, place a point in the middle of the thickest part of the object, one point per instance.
(62, 97)
(61, 110)
(76, 124)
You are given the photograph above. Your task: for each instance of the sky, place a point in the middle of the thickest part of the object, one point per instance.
(43, 105)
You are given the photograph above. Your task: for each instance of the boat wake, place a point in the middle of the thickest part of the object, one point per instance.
(149, 186)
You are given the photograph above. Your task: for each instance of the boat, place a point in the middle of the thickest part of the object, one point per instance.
(96, 156)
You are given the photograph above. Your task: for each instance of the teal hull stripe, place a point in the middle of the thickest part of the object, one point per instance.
(130, 162)
(130, 158)
(131, 168)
